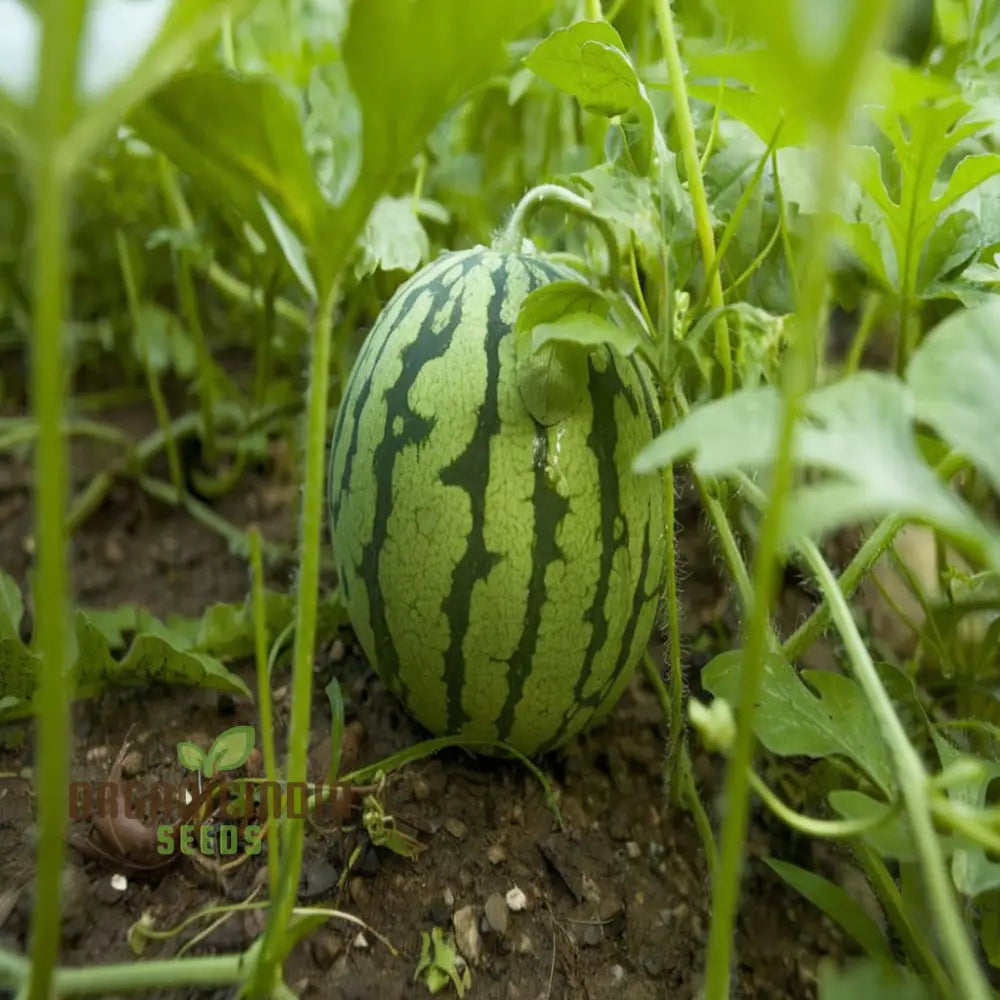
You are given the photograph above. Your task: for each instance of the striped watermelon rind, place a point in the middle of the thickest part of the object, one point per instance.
(503, 578)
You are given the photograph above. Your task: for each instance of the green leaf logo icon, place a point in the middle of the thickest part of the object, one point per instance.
(229, 750)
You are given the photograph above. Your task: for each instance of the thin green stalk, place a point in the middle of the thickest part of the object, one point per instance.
(263, 689)
(310, 541)
(921, 957)
(869, 314)
(688, 789)
(913, 785)
(234, 536)
(821, 828)
(726, 888)
(242, 292)
(734, 220)
(675, 661)
(593, 8)
(556, 196)
(152, 379)
(162, 974)
(869, 553)
(61, 29)
(189, 303)
(696, 185)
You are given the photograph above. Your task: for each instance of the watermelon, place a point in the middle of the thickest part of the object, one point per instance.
(503, 577)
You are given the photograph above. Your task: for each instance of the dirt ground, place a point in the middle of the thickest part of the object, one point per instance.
(615, 905)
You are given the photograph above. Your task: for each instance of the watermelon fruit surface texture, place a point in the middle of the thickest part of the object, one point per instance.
(502, 577)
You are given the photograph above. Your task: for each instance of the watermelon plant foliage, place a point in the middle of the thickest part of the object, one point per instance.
(806, 275)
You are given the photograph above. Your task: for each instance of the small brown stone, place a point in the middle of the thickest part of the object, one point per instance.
(456, 828)
(496, 913)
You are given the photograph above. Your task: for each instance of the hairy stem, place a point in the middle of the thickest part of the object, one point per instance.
(696, 185)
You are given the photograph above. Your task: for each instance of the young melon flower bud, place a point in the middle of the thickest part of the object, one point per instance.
(714, 722)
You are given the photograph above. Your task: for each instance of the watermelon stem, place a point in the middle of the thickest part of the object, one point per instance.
(558, 196)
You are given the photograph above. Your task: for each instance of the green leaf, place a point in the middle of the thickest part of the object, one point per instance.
(240, 138)
(410, 61)
(440, 964)
(892, 839)
(588, 61)
(953, 245)
(969, 174)
(625, 200)
(837, 905)
(190, 755)
(336, 699)
(858, 431)
(394, 238)
(11, 606)
(587, 330)
(150, 658)
(869, 980)
(972, 871)
(746, 90)
(955, 378)
(229, 750)
(160, 340)
(292, 248)
(830, 716)
(807, 44)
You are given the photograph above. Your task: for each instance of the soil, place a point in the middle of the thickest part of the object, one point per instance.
(615, 904)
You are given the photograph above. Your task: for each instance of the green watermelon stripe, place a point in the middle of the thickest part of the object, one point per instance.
(603, 441)
(402, 303)
(470, 471)
(549, 510)
(412, 430)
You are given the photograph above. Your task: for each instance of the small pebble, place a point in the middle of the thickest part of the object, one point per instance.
(337, 650)
(358, 891)
(360, 941)
(467, 937)
(496, 913)
(118, 882)
(633, 850)
(516, 899)
(421, 788)
(609, 908)
(617, 975)
(449, 897)
(456, 828)
(496, 854)
(131, 764)
(525, 945)
(325, 948)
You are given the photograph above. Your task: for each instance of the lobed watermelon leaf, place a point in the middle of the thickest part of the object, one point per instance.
(188, 651)
(830, 716)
